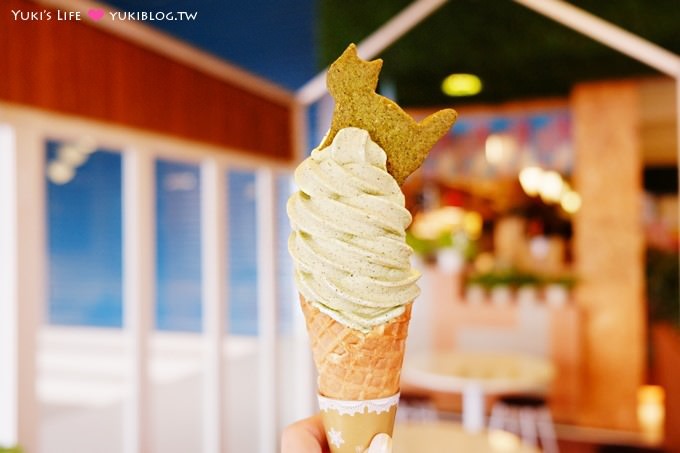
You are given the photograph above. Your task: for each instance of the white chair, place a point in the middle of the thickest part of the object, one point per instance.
(414, 408)
(527, 416)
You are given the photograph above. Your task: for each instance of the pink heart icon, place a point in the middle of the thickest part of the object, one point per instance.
(95, 13)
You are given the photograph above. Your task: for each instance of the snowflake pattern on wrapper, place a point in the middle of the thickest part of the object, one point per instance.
(335, 437)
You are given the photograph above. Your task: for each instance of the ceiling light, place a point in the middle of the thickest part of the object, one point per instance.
(60, 172)
(552, 187)
(530, 180)
(651, 410)
(499, 148)
(72, 155)
(461, 85)
(571, 202)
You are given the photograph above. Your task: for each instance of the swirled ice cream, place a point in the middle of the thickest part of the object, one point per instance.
(348, 241)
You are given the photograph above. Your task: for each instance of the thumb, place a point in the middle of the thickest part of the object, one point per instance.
(381, 443)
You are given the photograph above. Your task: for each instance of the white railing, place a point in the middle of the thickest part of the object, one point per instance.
(22, 274)
(23, 278)
(9, 346)
(267, 307)
(214, 235)
(138, 290)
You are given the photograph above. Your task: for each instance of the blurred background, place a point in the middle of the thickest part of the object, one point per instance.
(146, 156)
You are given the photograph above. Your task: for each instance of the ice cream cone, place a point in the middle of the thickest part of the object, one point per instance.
(348, 241)
(353, 365)
(358, 377)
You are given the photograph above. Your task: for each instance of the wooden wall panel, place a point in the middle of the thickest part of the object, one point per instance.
(609, 251)
(78, 69)
(658, 122)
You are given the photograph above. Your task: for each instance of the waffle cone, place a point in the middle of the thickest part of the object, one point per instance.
(353, 365)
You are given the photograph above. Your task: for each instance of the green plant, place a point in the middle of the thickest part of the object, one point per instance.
(515, 279)
(509, 277)
(566, 280)
(428, 248)
(10, 450)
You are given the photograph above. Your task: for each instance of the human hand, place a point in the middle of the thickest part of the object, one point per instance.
(305, 436)
(308, 436)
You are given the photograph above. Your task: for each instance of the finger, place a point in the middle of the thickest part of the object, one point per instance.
(381, 443)
(305, 436)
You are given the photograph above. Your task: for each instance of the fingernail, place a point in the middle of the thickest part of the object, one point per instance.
(381, 443)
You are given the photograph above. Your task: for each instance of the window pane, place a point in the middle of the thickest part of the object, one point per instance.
(285, 292)
(80, 371)
(178, 251)
(242, 409)
(84, 236)
(242, 253)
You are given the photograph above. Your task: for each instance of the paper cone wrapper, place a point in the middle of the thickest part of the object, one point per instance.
(350, 425)
(352, 365)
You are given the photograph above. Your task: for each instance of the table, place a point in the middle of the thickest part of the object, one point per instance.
(476, 374)
(436, 437)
